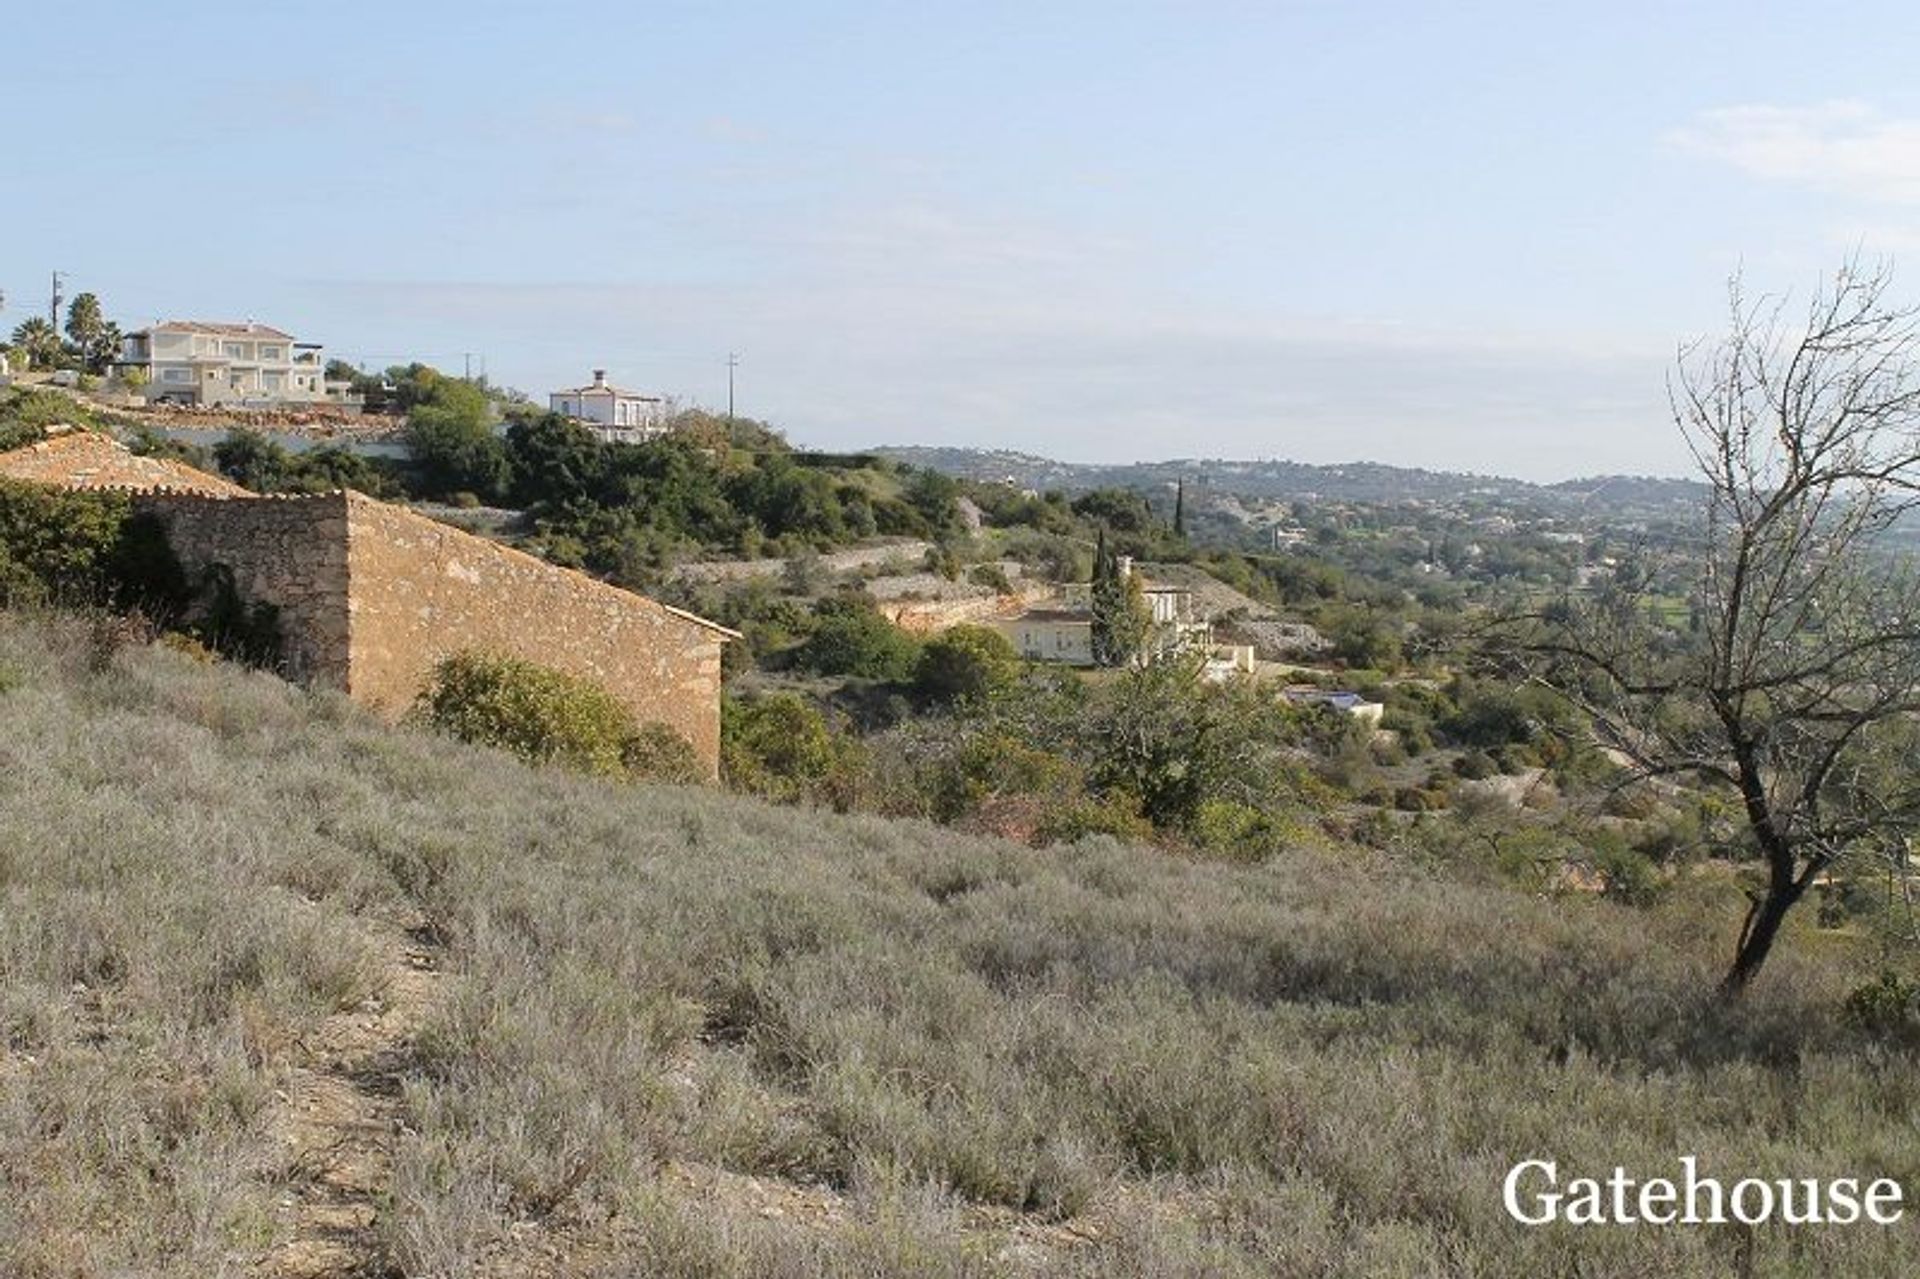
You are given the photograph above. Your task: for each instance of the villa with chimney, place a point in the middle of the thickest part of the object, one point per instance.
(615, 415)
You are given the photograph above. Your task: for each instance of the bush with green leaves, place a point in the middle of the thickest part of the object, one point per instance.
(256, 462)
(26, 413)
(451, 437)
(850, 637)
(1887, 1007)
(548, 717)
(966, 664)
(782, 747)
(991, 576)
(62, 546)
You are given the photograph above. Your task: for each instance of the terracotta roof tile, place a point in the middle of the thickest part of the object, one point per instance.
(90, 460)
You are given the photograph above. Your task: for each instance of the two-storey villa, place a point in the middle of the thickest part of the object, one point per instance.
(190, 362)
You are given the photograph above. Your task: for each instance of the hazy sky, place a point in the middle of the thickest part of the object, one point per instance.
(1454, 235)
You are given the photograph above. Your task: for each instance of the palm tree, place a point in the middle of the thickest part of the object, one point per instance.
(39, 341)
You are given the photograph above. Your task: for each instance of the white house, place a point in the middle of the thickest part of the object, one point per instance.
(1052, 635)
(615, 415)
(195, 362)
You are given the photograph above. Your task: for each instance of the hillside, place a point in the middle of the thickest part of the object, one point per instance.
(1275, 479)
(288, 992)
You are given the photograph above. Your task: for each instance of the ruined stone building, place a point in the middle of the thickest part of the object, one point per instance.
(370, 596)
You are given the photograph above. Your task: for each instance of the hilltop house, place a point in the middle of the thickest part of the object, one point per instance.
(251, 365)
(616, 416)
(369, 596)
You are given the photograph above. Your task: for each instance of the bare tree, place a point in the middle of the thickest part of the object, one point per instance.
(1779, 657)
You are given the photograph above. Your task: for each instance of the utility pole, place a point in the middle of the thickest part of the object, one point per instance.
(466, 360)
(53, 307)
(733, 362)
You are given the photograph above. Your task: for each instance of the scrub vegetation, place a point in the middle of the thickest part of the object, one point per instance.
(678, 1032)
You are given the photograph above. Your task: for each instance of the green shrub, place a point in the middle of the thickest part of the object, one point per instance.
(1630, 875)
(25, 414)
(850, 637)
(944, 561)
(990, 575)
(61, 545)
(1420, 799)
(1888, 1007)
(55, 543)
(1475, 766)
(994, 765)
(782, 747)
(657, 753)
(1237, 830)
(1116, 814)
(548, 716)
(965, 663)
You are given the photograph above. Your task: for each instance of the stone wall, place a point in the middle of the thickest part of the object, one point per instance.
(371, 596)
(289, 552)
(422, 590)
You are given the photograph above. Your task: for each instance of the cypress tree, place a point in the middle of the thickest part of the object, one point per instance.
(1118, 610)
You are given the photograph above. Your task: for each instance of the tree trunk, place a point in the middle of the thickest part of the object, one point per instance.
(1756, 939)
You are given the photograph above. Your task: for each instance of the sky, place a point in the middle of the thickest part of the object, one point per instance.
(1461, 236)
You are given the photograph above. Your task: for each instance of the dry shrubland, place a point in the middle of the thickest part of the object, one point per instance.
(1087, 1059)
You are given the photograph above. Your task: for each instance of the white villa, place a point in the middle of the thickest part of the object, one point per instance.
(193, 362)
(1052, 635)
(617, 416)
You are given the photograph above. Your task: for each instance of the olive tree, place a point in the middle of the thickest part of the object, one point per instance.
(1777, 656)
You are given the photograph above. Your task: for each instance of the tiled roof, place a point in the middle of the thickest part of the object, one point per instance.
(89, 460)
(248, 330)
(606, 388)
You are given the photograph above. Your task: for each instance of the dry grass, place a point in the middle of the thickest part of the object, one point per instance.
(1085, 1060)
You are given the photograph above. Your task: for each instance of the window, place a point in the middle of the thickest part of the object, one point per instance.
(234, 350)
(269, 352)
(176, 375)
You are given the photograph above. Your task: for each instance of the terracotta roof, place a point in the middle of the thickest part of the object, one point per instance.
(248, 330)
(89, 460)
(606, 388)
(1054, 615)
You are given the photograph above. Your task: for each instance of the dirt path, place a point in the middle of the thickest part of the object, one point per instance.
(341, 1118)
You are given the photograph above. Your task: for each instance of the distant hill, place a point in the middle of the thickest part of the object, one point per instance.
(1370, 482)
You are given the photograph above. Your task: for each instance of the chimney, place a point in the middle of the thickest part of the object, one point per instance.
(599, 377)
